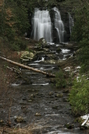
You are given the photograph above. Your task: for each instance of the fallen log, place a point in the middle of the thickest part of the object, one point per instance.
(27, 67)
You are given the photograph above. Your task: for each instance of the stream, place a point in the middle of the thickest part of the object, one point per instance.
(39, 103)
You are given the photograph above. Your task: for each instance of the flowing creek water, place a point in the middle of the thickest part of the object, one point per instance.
(38, 103)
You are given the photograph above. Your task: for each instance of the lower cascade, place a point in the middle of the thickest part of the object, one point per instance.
(42, 25)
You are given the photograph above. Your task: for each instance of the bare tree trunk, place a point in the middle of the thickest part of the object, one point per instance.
(27, 67)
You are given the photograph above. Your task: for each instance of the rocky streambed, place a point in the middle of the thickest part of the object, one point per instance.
(33, 100)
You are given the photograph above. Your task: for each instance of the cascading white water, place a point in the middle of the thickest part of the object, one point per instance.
(42, 25)
(59, 25)
(71, 22)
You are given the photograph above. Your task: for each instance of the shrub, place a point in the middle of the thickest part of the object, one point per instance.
(18, 44)
(79, 96)
(83, 55)
(80, 33)
(60, 80)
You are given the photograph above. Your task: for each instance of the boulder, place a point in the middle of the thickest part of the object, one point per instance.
(42, 41)
(19, 119)
(37, 114)
(26, 55)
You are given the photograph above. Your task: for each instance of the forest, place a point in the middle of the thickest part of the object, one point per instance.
(16, 37)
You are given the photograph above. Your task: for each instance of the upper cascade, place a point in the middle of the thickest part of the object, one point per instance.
(42, 27)
(59, 26)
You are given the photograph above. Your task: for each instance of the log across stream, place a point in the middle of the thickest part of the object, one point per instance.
(27, 67)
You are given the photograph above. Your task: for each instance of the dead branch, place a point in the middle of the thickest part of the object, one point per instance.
(14, 69)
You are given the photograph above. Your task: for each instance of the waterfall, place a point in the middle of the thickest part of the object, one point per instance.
(59, 26)
(71, 22)
(42, 27)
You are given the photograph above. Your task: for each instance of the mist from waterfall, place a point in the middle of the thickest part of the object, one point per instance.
(59, 26)
(42, 27)
(71, 22)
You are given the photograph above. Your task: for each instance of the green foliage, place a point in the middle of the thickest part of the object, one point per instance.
(18, 44)
(83, 55)
(60, 79)
(80, 33)
(21, 16)
(81, 25)
(14, 21)
(2, 20)
(79, 96)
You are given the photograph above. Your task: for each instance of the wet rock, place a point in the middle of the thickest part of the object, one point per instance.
(58, 50)
(77, 69)
(41, 44)
(24, 98)
(40, 55)
(33, 90)
(1, 105)
(83, 127)
(59, 95)
(65, 99)
(50, 93)
(32, 96)
(69, 45)
(55, 107)
(22, 102)
(46, 49)
(50, 61)
(1, 122)
(36, 93)
(29, 100)
(69, 125)
(37, 114)
(67, 56)
(67, 69)
(23, 107)
(66, 91)
(42, 41)
(19, 119)
(52, 80)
